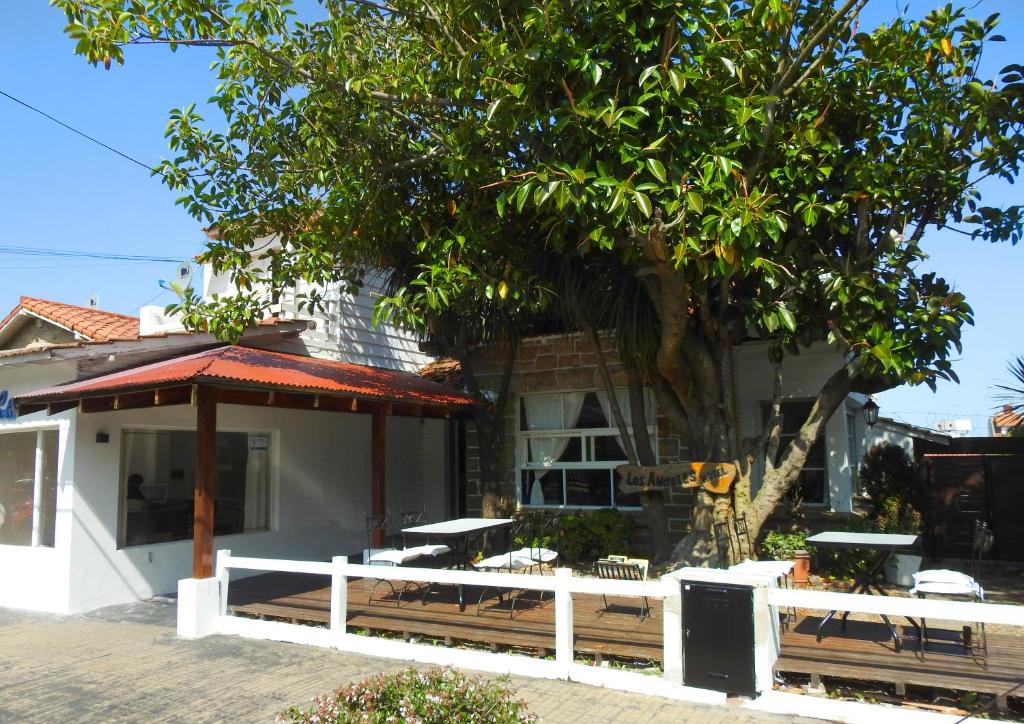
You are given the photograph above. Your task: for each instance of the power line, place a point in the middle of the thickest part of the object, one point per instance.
(75, 130)
(9, 250)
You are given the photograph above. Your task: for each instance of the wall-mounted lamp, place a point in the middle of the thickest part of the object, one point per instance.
(870, 410)
(102, 437)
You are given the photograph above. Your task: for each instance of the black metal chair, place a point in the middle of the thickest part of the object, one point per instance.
(396, 557)
(621, 571)
(743, 538)
(511, 561)
(407, 519)
(724, 542)
(955, 583)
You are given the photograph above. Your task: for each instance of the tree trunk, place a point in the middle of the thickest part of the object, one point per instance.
(489, 419)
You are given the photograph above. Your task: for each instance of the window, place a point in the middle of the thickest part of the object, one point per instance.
(813, 480)
(158, 484)
(569, 449)
(28, 487)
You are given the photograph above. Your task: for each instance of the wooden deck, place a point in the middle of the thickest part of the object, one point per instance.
(617, 632)
(863, 653)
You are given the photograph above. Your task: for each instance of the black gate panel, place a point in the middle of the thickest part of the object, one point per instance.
(718, 637)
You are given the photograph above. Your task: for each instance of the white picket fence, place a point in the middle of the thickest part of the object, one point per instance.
(563, 585)
(211, 616)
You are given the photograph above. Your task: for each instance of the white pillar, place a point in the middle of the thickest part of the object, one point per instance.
(563, 622)
(198, 606)
(223, 576)
(37, 491)
(672, 631)
(339, 597)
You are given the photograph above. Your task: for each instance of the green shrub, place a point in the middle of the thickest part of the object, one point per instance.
(888, 472)
(585, 537)
(837, 563)
(897, 516)
(782, 546)
(424, 697)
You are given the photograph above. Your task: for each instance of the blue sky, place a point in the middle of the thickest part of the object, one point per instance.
(59, 191)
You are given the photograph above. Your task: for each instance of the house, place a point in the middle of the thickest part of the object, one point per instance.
(562, 449)
(129, 449)
(1005, 422)
(122, 438)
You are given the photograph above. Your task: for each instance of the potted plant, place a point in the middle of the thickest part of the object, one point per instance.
(898, 516)
(790, 547)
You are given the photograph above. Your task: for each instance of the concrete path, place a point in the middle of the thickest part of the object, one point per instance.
(125, 664)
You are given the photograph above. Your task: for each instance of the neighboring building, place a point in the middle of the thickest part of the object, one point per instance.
(98, 472)
(955, 428)
(1006, 422)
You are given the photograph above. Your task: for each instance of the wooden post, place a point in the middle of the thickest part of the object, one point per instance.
(206, 475)
(378, 461)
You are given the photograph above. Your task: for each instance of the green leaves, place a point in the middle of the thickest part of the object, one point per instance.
(657, 169)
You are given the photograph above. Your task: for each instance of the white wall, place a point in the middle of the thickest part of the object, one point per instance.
(37, 577)
(802, 378)
(883, 433)
(344, 330)
(320, 489)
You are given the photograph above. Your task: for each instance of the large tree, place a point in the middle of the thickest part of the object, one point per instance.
(764, 172)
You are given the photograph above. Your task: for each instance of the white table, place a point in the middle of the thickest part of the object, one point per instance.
(884, 545)
(457, 534)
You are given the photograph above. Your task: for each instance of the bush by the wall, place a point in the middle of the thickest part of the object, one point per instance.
(585, 537)
(887, 471)
(419, 697)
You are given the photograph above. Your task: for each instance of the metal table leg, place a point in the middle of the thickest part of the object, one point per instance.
(863, 583)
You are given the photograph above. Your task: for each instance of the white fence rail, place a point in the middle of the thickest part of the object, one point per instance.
(563, 585)
(970, 612)
(202, 610)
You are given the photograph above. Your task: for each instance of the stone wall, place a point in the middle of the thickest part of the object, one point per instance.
(560, 363)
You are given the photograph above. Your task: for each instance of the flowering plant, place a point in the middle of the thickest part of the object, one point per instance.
(417, 697)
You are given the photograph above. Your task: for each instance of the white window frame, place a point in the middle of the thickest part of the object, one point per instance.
(523, 452)
(272, 484)
(823, 436)
(37, 479)
(853, 450)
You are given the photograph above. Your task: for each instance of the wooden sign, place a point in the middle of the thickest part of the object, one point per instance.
(713, 477)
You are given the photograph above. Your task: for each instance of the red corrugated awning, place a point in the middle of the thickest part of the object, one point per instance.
(248, 368)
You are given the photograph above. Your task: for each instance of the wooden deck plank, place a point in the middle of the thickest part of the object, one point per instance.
(865, 652)
(615, 632)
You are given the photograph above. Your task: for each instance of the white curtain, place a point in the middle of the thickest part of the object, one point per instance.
(622, 396)
(257, 476)
(544, 412)
(550, 412)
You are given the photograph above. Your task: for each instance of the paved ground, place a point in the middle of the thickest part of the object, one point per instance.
(124, 664)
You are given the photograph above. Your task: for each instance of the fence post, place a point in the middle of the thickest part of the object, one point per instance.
(672, 630)
(339, 597)
(563, 622)
(223, 575)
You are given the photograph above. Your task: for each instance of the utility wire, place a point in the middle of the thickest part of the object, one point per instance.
(75, 130)
(8, 250)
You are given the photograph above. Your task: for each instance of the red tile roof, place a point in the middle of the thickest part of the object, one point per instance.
(1004, 422)
(263, 369)
(93, 324)
(445, 371)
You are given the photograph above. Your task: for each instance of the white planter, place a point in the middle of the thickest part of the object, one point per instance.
(901, 567)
